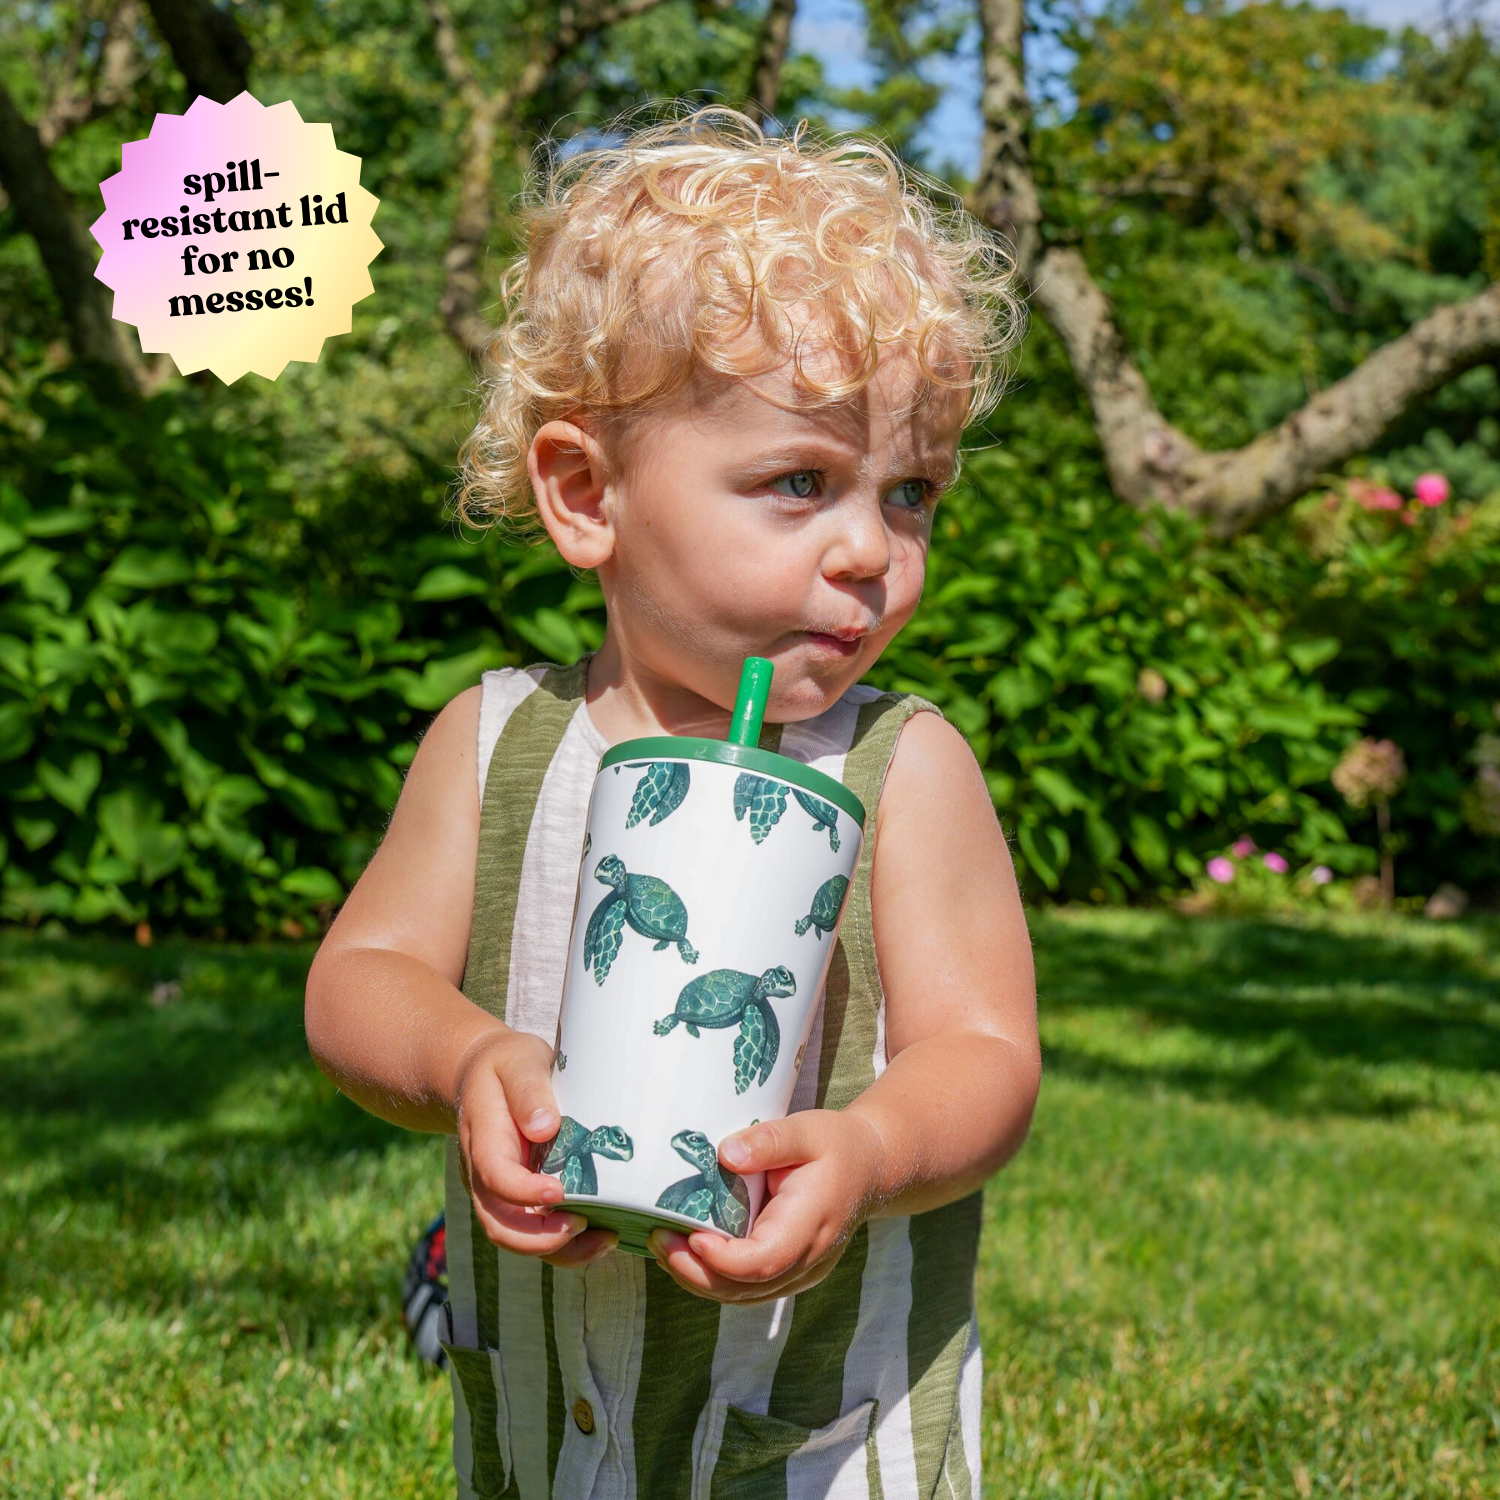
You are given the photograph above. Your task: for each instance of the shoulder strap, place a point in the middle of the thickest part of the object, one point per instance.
(846, 1061)
(513, 785)
(518, 765)
(807, 1387)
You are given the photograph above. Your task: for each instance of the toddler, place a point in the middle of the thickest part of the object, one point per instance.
(732, 380)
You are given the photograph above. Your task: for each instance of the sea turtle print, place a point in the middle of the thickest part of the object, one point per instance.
(712, 1192)
(824, 815)
(659, 792)
(723, 997)
(762, 801)
(649, 905)
(570, 1154)
(824, 915)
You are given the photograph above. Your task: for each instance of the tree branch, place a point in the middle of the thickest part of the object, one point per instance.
(487, 112)
(120, 68)
(1146, 456)
(775, 40)
(45, 210)
(207, 45)
(1350, 417)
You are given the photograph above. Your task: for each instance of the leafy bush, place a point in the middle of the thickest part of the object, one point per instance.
(1413, 597)
(203, 713)
(1129, 694)
(210, 683)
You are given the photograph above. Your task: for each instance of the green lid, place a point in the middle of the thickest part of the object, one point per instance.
(740, 749)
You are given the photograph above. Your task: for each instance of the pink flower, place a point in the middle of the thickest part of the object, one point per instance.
(1220, 869)
(1377, 497)
(1431, 489)
(1321, 875)
(1243, 848)
(1274, 861)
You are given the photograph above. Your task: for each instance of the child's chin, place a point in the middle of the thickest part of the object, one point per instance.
(809, 690)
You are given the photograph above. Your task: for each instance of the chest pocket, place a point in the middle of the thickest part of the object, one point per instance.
(742, 1450)
(481, 1420)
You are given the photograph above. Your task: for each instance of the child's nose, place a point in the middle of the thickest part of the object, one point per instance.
(862, 547)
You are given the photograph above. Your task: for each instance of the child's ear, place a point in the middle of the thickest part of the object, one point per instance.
(568, 477)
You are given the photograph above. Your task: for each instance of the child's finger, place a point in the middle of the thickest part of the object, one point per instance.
(493, 1168)
(774, 1143)
(499, 1175)
(528, 1234)
(508, 1181)
(584, 1248)
(676, 1256)
(673, 1256)
(526, 1078)
(761, 1258)
(487, 1136)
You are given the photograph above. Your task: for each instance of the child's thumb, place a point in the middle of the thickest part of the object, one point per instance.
(766, 1144)
(528, 1092)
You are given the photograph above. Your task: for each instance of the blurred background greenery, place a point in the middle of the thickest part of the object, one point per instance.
(228, 613)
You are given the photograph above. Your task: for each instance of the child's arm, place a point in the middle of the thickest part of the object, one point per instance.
(388, 1024)
(956, 1097)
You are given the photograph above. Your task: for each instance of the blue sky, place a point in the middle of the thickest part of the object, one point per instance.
(834, 31)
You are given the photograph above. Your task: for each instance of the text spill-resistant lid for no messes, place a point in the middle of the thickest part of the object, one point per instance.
(740, 749)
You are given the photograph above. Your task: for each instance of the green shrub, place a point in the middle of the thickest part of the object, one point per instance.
(210, 684)
(1130, 694)
(1413, 597)
(203, 713)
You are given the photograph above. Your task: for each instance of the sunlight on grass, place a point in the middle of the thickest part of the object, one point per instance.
(1249, 1249)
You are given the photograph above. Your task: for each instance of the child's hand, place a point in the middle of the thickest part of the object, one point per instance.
(504, 1103)
(822, 1167)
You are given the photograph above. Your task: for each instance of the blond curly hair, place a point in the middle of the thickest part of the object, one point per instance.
(647, 256)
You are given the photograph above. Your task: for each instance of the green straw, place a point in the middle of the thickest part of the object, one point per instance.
(750, 705)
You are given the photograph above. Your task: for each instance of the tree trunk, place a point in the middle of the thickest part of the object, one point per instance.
(487, 113)
(45, 210)
(207, 45)
(775, 39)
(1149, 459)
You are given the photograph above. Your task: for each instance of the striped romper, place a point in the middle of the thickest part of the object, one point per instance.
(612, 1381)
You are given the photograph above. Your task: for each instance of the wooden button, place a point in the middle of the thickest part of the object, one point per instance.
(583, 1415)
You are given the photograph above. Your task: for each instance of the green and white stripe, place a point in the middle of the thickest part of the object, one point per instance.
(866, 1385)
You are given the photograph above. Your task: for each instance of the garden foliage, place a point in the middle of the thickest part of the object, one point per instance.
(206, 699)
(226, 615)
(209, 691)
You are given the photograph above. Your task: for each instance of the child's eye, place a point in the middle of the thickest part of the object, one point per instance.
(918, 491)
(921, 491)
(799, 474)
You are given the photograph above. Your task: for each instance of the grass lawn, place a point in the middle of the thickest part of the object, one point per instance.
(1252, 1247)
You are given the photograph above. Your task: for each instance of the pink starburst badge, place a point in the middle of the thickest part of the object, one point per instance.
(236, 237)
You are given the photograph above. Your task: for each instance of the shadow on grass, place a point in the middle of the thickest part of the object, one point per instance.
(1300, 1018)
(83, 1046)
(126, 1123)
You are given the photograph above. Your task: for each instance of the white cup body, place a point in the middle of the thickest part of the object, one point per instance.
(747, 878)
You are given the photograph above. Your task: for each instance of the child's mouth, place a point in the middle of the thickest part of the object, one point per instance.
(834, 645)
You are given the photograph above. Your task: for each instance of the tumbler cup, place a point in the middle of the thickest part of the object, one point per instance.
(713, 878)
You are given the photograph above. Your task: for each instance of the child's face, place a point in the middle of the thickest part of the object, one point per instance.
(717, 543)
